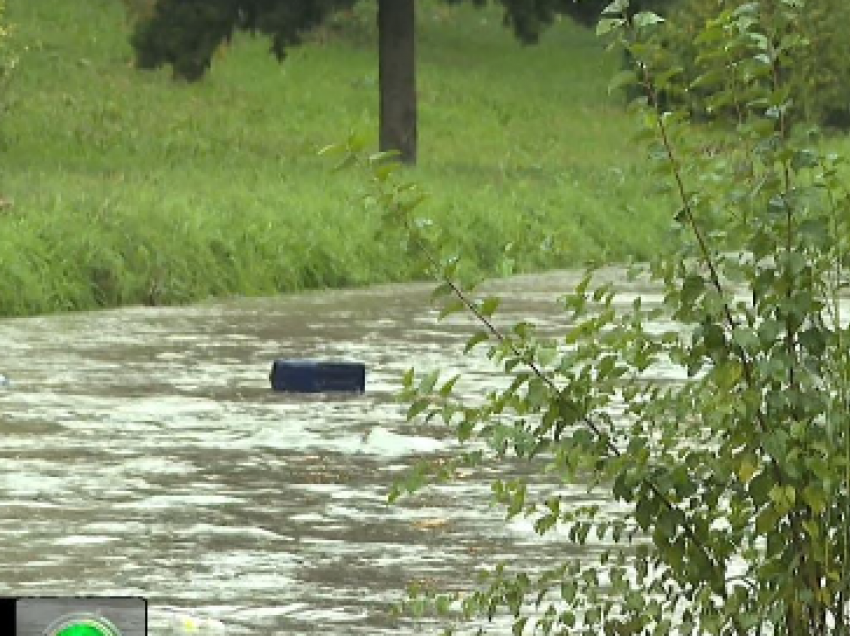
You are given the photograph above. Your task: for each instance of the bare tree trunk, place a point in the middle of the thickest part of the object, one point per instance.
(397, 77)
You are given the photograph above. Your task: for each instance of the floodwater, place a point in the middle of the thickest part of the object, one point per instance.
(143, 453)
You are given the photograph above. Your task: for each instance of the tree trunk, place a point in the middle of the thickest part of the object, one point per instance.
(397, 77)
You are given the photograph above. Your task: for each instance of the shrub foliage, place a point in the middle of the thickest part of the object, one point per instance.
(819, 80)
(735, 480)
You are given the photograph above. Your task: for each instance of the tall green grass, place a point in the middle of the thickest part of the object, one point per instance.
(126, 187)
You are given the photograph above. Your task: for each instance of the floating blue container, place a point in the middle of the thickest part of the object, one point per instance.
(310, 376)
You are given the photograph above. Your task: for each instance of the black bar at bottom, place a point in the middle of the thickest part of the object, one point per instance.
(8, 615)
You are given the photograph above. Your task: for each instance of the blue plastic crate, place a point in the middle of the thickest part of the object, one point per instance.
(311, 376)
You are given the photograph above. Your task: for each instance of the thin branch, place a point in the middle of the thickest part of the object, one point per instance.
(532, 365)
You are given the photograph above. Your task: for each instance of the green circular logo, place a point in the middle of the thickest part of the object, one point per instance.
(81, 625)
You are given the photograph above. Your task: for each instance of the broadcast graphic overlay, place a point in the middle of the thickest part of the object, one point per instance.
(73, 616)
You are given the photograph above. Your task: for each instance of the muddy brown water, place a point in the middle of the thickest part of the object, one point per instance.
(143, 453)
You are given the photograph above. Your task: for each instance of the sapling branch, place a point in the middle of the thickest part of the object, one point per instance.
(610, 447)
(709, 262)
(770, 464)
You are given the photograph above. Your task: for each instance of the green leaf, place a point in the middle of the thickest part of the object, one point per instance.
(537, 394)
(815, 498)
(692, 288)
(333, 149)
(711, 78)
(477, 338)
(448, 387)
(386, 157)
(646, 18)
(616, 7)
(745, 338)
(407, 378)
(488, 306)
(452, 307)
(766, 520)
(417, 407)
(608, 25)
(428, 383)
(546, 355)
(622, 79)
(747, 468)
(804, 158)
(759, 488)
(345, 162)
(519, 626)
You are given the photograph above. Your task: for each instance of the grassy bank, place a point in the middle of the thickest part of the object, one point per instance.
(123, 187)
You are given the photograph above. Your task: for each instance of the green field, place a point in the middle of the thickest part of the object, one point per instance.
(123, 187)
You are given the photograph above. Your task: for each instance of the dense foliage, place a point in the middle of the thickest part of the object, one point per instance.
(735, 480)
(529, 18)
(819, 81)
(186, 33)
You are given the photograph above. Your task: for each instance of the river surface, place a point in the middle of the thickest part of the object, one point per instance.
(143, 453)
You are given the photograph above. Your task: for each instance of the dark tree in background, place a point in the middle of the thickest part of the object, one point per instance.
(186, 34)
(397, 77)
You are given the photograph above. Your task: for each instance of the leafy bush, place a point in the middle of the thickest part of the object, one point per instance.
(820, 79)
(735, 481)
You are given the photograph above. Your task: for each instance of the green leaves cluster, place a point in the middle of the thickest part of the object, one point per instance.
(735, 479)
(818, 80)
(186, 33)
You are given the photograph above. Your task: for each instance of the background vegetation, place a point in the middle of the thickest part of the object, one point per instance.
(121, 186)
(819, 83)
(734, 479)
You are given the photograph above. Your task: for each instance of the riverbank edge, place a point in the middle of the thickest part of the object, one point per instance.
(80, 261)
